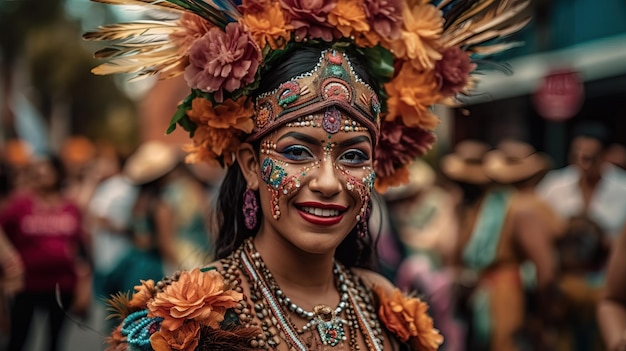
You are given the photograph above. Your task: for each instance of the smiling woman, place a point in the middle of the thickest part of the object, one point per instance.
(311, 106)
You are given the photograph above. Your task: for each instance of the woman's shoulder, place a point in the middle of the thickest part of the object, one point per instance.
(373, 280)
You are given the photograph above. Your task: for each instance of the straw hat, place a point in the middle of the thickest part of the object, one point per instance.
(152, 160)
(513, 161)
(465, 164)
(421, 176)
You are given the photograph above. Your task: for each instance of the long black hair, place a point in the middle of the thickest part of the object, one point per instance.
(354, 250)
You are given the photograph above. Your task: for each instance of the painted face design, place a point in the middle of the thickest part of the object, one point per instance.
(284, 170)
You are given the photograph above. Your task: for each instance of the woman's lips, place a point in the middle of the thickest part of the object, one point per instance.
(320, 213)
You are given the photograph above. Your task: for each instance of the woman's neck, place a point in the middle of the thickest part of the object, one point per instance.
(294, 269)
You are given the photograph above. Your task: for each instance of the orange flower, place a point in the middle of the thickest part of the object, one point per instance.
(407, 318)
(421, 31)
(191, 28)
(411, 94)
(349, 17)
(399, 177)
(367, 39)
(183, 339)
(117, 341)
(268, 27)
(196, 295)
(143, 293)
(236, 114)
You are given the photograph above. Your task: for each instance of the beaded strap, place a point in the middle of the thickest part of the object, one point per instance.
(138, 327)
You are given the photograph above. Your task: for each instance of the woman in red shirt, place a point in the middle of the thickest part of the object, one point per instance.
(46, 230)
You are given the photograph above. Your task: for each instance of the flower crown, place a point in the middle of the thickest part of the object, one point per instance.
(420, 53)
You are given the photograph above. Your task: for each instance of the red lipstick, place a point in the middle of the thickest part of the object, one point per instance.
(319, 220)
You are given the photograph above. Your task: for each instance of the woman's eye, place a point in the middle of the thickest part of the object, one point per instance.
(354, 157)
(297, 153)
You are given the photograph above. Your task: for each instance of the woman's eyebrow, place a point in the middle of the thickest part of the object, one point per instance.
(356, 140)
(300, 136)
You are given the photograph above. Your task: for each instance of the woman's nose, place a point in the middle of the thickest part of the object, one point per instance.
(325, 179)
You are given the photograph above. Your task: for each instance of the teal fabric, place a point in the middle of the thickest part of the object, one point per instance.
(480, 250)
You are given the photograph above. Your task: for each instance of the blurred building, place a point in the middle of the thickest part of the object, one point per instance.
(585, 37)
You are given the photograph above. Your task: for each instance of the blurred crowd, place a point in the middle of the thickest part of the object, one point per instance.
(510, 252)
(80, 226)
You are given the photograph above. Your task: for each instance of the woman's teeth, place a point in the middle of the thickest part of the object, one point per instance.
(321, 212)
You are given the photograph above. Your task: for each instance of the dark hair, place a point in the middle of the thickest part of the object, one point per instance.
(594, 130)
(59, 168)
(354, 250)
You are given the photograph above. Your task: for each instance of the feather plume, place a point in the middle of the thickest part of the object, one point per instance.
(121, 31)
(488, 50)
(160, 4)
(118, 305)
(483, 23)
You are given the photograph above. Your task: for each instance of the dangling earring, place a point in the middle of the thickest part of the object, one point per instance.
(250, 208)
(364, 217)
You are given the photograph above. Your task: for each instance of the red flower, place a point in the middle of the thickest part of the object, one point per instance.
(453, 70)
(223, 60)
(398, 146)
(309, 18)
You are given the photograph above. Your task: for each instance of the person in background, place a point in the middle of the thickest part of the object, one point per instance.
(423, 219)
(517, 166)
(46, 230)
(589, 185)
(151, 226)
(108, 220)
(498, 231)
(616, 155)
(590, 194)
(611, 311)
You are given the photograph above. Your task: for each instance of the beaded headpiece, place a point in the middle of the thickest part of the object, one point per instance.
(332, 83)
(418, 52)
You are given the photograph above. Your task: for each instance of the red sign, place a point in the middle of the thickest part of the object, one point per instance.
(560, 95)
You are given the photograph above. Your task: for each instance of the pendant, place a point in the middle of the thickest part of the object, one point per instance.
(329, 326)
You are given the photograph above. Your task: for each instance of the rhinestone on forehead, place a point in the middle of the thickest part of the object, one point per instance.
(332, 83)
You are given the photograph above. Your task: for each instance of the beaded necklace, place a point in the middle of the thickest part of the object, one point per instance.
(356, 304)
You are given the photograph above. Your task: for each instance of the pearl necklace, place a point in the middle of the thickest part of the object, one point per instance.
(313, 317)
(329, 326)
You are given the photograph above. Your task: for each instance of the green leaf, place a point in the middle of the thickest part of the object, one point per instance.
(181, 112)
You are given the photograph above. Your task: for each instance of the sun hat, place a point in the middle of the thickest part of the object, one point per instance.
(514, 161)
(418, 53)
(152, 160)
(466, 163)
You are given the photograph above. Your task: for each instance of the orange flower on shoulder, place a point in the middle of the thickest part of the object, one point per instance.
(143, 294)
(407, 318)
(184, 338)
(349, 17)
(418, 42)
(199, 296)
(268, 27)
(236, 114)
(411, 94)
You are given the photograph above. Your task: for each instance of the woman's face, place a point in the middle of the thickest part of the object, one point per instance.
(43, 175)
(316, 178)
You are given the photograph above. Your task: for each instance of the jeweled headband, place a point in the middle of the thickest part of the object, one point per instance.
(332, 82)
(418, 52)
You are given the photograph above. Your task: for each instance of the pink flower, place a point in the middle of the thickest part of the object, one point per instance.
(309, 18)
(223, 60)
(453, 70)
(399, 145)
(385, 16)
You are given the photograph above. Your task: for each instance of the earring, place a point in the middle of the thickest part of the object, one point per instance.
(362, 227)
(250, 208)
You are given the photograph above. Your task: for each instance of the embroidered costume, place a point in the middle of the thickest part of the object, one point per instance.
(416, 54)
